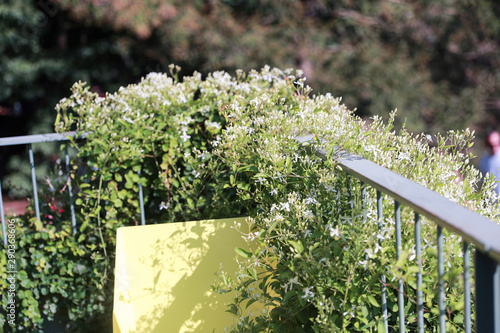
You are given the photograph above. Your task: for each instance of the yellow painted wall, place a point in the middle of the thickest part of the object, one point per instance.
(164, 272)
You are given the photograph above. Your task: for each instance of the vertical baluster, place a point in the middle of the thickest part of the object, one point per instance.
(380, 217)
(4, 227)
(349, 187)
(70, 191)
(33, 181)
(363, 195)
(418, 249)
(401, 301)
(442, 319)
(487, 294)
(349, 192)
(141, 200)
(467, 297)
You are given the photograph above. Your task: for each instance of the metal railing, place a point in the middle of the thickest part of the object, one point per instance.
(474, 229)
(29, 140)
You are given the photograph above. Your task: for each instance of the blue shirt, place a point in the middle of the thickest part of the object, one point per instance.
(491, 164)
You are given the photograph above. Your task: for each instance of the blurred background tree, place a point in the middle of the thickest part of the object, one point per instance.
(436, 62)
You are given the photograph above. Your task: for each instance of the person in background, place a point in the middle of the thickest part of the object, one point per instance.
(490, 162)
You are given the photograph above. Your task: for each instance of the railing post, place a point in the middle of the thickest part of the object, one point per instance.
(33, 180)
(441, 303)
(70, 191)
(141, 201)
(401, 301)
(380, 216)
(418, 250)
(467, 291)
(487, 294)
(363, 196)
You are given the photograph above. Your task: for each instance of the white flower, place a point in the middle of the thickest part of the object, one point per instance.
(308, 293)
(212, 124)
(299, 83)
(203, 156)
(261, 180)
(285, 206)
(310, 200)
(308, 215)
(163, 205)
(187, 121)
(377, 247)
(185, 136)
(128, 119)
(403, 156)
(290, 283)
(273, 192)
(334, 232)
(253, 236)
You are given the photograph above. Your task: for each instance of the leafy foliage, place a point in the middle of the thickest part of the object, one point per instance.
(226, 146)
(436, 62)
(323, 251)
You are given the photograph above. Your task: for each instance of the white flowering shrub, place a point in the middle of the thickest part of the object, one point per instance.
(226, 146)
(322, 251)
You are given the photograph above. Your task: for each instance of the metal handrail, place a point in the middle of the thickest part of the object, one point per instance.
(41, 138)
(37, 138)
(471, 226)
(29, 140)
(474, 228)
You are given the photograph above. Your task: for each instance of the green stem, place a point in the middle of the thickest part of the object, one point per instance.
(99, 218)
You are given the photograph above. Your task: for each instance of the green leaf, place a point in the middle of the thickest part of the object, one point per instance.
(297, 245)
(381, 326)
(250, 302)
(458, 319)
(289, 295)
(232, 309)
(373, 301)
(242, 252)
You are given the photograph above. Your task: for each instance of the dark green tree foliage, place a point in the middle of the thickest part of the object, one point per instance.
(435, 62)
(42, 53)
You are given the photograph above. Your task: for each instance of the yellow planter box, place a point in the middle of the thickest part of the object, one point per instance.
(164, 274)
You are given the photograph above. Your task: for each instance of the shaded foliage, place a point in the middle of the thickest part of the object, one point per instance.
(435, 62)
